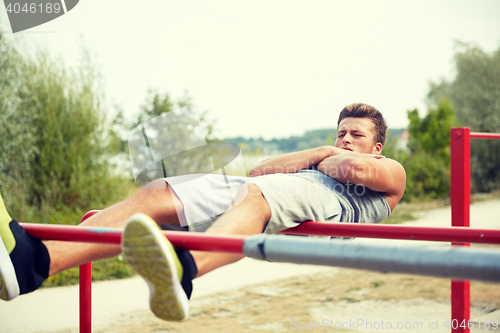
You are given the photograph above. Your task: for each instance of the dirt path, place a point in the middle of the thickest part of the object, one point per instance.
(349, 298)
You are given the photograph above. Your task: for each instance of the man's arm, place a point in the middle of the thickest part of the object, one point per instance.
(372, 171)
(294, 162)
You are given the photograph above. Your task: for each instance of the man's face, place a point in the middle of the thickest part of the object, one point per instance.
(357, 135)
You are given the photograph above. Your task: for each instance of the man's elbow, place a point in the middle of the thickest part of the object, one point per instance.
(355, 170)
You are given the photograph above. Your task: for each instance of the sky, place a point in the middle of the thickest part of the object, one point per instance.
(269, 68)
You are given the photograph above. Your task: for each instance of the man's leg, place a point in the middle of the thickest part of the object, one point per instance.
(20, 252)
(154, 200)
(169, 271)
(249, 217)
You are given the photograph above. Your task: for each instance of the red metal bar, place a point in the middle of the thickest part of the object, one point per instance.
(86, 290)
(232, 243)
(476, 135)
(187, 240)
(62, 232)
(206, 242)
(459, 235)
(86, 298)
(460, 217)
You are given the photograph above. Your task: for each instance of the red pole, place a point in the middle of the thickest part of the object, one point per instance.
(86, 290)
(460, 215)
(459, 235)
(232, 243)
(73, 233)
(86, 298)
(477, 135)
(186, 240)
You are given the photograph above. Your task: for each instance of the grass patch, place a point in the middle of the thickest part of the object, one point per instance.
(406, 211)
(376, 284)
(476, 197)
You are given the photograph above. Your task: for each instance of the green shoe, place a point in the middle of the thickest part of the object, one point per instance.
(9, 287)
(24, 260)
(153, 257)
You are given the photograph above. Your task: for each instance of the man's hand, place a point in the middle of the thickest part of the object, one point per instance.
(377, 156)
(294, 162)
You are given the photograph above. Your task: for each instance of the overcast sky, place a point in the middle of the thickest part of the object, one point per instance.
(271, 68)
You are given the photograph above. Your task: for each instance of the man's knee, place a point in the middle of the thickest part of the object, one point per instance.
(250, 194)
(160, 202)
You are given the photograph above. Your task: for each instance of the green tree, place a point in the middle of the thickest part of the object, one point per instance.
(475, 95)
(427, 163)
(55, 154)
(391, 148)
(17, 142)
(431, 134)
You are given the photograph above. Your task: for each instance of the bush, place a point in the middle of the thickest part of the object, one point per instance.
(427, 177)
(55, 140)
(55, 146)
(427, 157)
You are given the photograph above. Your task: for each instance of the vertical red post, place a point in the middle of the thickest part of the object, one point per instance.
(86, 290)
(460, 214)
(86, 298)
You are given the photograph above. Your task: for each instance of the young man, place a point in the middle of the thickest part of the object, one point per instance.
(351, 182)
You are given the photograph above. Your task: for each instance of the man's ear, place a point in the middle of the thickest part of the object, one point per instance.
(377, 149)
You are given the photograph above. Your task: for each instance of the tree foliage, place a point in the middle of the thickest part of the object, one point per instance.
(475, 95)
(431, 134)
(17, 142)
(427, 160)
(54, 143)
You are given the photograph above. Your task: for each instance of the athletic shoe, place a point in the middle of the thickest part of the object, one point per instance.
(24, 260)
(153, 257)
(9, 287)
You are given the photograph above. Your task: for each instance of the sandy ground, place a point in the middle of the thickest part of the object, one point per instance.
(254, 296)
(358, 301)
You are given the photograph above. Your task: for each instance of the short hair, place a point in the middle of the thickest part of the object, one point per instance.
(360, 110)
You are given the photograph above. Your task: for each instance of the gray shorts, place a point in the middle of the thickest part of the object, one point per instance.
(292, 200)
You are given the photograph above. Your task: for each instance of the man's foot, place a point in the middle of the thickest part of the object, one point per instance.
(24, 260)
(153, 257)
(9, 287)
